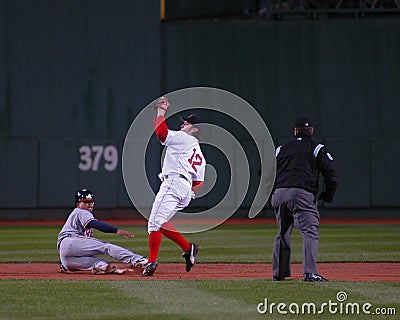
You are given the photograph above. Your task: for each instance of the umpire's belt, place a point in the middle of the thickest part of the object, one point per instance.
(175, 175)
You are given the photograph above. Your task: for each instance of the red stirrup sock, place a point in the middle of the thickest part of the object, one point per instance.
(155, 238)
(168, 230)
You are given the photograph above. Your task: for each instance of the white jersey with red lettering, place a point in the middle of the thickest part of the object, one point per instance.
(184, 163)
(183, 156)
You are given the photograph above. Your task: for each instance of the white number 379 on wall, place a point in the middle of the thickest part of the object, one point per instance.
(91, 156)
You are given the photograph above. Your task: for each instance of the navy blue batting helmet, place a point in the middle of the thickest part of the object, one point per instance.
(84, 195)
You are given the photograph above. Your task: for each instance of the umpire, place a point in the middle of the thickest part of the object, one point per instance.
(294, 198)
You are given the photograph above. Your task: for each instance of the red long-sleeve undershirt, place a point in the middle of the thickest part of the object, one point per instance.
(161, 128)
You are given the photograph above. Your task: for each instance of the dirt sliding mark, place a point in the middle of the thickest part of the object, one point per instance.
(386, 272)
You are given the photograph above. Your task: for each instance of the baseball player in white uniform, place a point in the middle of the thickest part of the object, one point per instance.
(182, 174)
(80, 251)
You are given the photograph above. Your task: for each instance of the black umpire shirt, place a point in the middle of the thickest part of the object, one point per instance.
(299, 162)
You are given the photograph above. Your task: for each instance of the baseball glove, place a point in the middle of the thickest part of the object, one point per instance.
(324, 196)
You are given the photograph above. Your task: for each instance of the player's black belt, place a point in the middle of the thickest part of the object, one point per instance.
(174, 175)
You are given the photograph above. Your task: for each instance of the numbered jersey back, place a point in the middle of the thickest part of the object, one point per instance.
(183, 156)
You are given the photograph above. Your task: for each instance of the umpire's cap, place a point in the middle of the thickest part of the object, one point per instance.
(84, 195)
(192, 119)
(303, 121)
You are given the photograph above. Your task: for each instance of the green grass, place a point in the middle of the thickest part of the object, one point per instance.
(225, 299)
(228, 243)
(198, 299)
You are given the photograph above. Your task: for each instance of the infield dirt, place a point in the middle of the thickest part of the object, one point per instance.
(386, 272)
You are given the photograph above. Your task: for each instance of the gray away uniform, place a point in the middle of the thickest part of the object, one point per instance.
(80, 251)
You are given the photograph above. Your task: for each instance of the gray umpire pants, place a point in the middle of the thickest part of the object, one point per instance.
(295, 206)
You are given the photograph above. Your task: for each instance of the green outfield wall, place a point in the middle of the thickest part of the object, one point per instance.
(74, 75)
(343, 72)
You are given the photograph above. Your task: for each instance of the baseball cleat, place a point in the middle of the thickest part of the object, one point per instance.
(107, 269)
(120, 271)
(314, 277)
(149, 269)
(140, 263)
(190, 256)
(277, 278)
